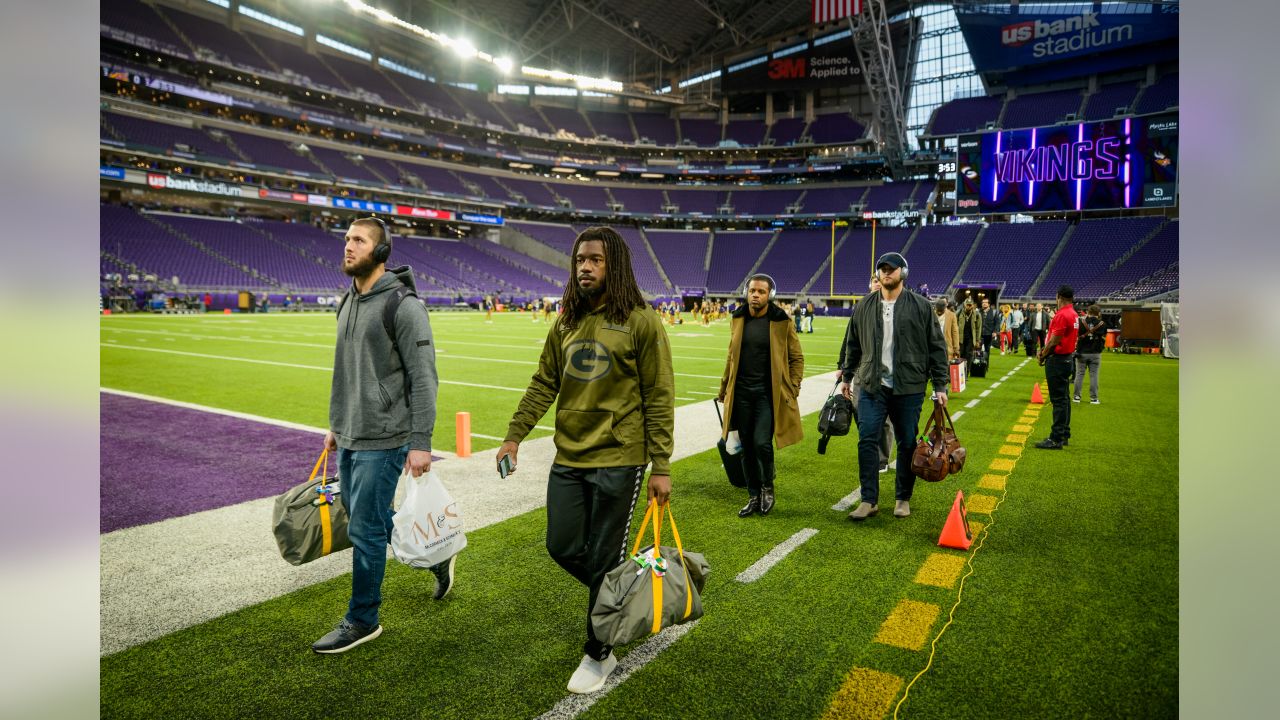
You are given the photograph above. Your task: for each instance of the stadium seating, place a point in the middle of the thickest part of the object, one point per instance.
(694, 201)
(1103, 104)
(256, 252)
(218, 38)
(763, 202)
(584, 196)
(786, 131)
(1039, 109)
(831, 200)
(1159, 253)
(1160, 96)
(889, 196)
(936, 254)
(555, 236)
(966, 115)
(1092, 247)
(568, 119)
(271, 152)
(1014, 253)
(613, 125)
(638, 200)
(166, 137)
(835, 128)
(341, 166)
(700, 131)
(795, 257)
(141, 19)
(655, 126)
(153, 247)
(748, 133)
(732, 255)
(855, 257)
(683, 255)
(522, 113)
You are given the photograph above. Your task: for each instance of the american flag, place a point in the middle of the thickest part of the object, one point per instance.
(828, 10)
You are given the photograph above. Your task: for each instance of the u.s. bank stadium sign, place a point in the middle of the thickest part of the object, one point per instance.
(1004, 40)
(160, 181)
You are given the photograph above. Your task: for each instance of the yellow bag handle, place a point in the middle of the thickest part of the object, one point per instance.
(657, 579)
(326, 523)
(688, 595)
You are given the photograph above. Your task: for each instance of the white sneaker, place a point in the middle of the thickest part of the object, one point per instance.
(901, 508)
(591, 674)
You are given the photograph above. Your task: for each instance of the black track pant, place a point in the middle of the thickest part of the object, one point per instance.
(589, 513)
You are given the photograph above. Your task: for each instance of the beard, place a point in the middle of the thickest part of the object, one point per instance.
(592, 291)
(359, 268)
(891, 283)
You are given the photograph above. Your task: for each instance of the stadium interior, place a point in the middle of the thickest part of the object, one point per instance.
(236, 145)
(1006, 149)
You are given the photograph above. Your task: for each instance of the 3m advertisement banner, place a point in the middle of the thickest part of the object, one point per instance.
(1126, 163)
(828, 65)
(1004, 40)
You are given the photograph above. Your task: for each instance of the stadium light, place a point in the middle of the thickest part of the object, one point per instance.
(464, 48)
(504, 64)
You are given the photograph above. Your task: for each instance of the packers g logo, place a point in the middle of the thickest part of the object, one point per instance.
(588, 360)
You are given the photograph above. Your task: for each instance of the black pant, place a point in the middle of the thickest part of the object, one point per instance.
(1057, 375)
(589, 513)
(903, 411)
(753, 419)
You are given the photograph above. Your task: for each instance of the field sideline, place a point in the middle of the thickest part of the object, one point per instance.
(1071, 608)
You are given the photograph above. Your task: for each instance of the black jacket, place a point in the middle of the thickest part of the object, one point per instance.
(1091, 343)
(919, 351)
(990, 321)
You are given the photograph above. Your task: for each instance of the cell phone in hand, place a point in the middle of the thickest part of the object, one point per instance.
(504, 466)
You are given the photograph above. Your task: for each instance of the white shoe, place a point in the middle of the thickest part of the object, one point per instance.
(901, 508)
(591, 674)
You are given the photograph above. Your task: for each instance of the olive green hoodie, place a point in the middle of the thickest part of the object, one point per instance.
(616, 393)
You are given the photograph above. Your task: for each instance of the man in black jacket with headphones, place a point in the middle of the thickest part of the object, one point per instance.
(894, 346)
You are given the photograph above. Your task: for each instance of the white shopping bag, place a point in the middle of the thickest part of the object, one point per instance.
(733, 443)
(427, 529)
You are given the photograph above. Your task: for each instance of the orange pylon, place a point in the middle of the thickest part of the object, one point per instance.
(955, 534)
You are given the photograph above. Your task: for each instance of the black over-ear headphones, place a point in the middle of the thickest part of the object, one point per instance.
(381, 251)
(773, 286)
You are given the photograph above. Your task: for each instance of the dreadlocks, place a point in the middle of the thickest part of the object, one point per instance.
(622, 294)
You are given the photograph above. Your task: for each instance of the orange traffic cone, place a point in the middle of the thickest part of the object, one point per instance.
(955, 534)
(1036, 397)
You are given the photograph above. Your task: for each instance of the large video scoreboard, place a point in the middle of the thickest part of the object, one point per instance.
(1114, 164)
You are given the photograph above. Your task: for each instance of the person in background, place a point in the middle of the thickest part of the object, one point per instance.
(1056, 359)
(1093, 337)
(950, 327)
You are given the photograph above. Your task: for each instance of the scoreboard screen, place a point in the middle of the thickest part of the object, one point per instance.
(1114, 164)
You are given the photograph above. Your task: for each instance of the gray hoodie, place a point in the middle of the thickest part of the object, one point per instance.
(383, 395)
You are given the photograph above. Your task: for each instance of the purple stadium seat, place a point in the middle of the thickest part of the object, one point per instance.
(522, 113)
(218, 37)
(683, 255)
(165, 136)
(786, 131)
(1160, 252)
(290, 56)
(150, 243)
(140, 19)
(702, 131)
(831, 200)
(1092, 247)
(835, 128)
(363, 76)
(732, 256)
(854, 258)
(1160, 96)
(555, 236)
(638, 200)
(795, 257)
(966, 115)
(563, 118)
(612, 124)
(937, 252)
(272, 152)
(1014, 253)
(1102, 105)
(1039, 109)
(656, 126)
(694, 201)
(748, 133)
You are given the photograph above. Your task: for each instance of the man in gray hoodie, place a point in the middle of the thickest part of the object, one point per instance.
(382, 411)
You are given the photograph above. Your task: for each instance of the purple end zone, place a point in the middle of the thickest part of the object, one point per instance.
(160, 461)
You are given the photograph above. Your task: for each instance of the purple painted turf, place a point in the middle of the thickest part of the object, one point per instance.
(159, 461)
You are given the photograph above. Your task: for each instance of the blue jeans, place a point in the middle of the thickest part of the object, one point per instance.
(368, 479)
(874, 406)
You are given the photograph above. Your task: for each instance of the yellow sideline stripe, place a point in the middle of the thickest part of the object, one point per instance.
(992, 482)
(908, 625)
(982, 504)
(864, 695)
(1022, 428)
(1011, 450)
(1002, 464)
(940, 570)
(1016, 438)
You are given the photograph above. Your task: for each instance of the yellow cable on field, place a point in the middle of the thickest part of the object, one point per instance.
(951, 616)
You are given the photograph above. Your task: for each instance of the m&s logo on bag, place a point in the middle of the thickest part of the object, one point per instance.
(441, 525)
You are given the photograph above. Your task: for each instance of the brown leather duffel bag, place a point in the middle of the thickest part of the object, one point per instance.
(938, 451)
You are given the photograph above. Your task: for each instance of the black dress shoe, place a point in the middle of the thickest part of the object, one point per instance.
(751, 508)
(766, 500)
(1049, 444)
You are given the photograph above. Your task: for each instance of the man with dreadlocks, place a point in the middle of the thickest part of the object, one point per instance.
(608, 361)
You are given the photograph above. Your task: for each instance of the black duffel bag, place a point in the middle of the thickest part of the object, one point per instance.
(835, 418)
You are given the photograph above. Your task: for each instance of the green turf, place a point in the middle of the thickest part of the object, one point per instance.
(1072, 611)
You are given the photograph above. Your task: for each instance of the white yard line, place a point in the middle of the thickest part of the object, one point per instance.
(972, 403)
(849, 500)
(775, 556)
(984, 393)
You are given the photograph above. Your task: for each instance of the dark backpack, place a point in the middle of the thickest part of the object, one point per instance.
(834, 419)
(388, 310)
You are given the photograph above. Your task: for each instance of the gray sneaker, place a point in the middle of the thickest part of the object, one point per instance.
(444, 577)
(863, 511)
(344, 637)
(901, 508)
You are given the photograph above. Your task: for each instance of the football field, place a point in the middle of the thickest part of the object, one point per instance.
(1065, 606)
